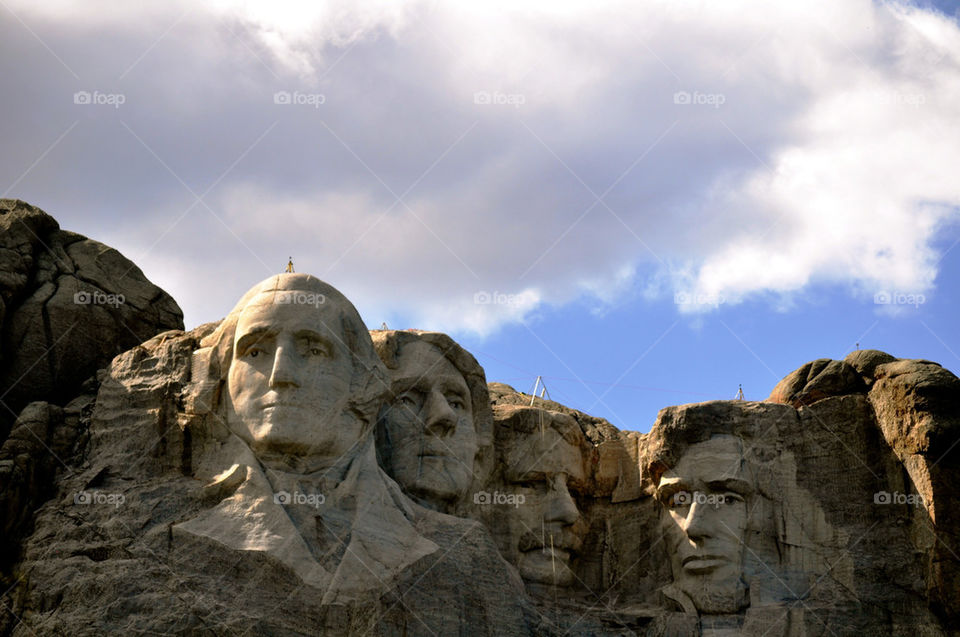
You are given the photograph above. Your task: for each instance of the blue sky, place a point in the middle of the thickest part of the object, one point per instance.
(628, 364)
(645, 203)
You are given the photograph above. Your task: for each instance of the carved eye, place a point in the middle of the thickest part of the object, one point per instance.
(409, 400)
(533, 485)
(313, 347)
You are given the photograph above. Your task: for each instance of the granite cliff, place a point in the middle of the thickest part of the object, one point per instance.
(286, 472)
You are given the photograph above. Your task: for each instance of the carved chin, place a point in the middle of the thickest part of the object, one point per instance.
(440, 477)
(716, 598)
(546, 566)
(279, 434)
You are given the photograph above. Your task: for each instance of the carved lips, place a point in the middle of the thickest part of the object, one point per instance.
(704, 562)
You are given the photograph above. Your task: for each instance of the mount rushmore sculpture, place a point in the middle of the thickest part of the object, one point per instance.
(285, 471)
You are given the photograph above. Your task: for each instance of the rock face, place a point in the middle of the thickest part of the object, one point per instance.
(817, 380)
(188, 515)
(68, 305)
(914, 406)
(283, 473)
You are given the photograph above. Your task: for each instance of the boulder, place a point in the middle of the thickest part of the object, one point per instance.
(68, 305)
(817, 380)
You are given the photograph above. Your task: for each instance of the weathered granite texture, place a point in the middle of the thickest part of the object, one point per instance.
(182, 517)
(68, 305)
(282, 473)
(915, 406)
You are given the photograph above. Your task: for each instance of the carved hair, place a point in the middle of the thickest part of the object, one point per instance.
(524, 421)
(676, 431)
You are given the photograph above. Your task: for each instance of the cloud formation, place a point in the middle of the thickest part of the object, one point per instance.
(460, 165)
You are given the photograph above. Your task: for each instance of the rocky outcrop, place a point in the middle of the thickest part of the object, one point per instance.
(914, 405)
(68, 305)
(817, 380)
(44, 440)
(130, 542)
(227, 480)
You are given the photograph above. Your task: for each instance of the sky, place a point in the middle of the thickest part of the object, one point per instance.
(646, 204)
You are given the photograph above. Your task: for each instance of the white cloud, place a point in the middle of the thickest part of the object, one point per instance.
(819, 144)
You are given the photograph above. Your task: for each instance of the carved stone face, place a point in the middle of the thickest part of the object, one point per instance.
(289, 379)
(545, 527)
(704, 499)
(429, 432)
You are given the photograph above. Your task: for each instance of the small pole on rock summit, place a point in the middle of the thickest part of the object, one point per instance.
(543, 390)
(383, 326)
(740, 393)
(289, 265)
(858, 347)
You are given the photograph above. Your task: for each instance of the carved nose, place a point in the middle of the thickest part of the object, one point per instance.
(698, 523)
(440, 419)
(561, 506)
(283, 373)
